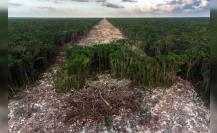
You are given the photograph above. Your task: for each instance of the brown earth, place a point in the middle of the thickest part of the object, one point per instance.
(103, 32)
(128, 109)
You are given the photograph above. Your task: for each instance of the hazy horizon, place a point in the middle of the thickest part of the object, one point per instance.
(108, 8)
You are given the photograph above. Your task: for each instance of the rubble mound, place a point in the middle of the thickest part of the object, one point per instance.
(100, 100)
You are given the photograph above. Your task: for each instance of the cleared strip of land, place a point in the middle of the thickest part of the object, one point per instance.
(103, 32)
(40, 109)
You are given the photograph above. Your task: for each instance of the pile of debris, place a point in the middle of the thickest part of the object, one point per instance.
(100, 100)
(109, 104)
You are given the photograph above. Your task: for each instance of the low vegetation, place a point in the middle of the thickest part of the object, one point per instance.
(118, 59)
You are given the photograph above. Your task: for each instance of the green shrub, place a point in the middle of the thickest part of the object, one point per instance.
(83, 63)
(118, 59)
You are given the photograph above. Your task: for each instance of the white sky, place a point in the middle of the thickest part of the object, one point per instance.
(108, 8)
(3, 4)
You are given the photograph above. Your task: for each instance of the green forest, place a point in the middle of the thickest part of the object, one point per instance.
(155, 52)
(186, 40)
(33, 42)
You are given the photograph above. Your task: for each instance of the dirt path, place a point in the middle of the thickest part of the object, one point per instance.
(39, 109)
(103, 32)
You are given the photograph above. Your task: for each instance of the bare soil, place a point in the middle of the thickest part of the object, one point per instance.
(107, 104)
(103, 32)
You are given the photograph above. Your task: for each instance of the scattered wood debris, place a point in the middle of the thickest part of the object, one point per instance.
(107, 105)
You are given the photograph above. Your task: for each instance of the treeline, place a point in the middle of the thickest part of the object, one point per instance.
(185, 40)
(32, 44)
(213, 23)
